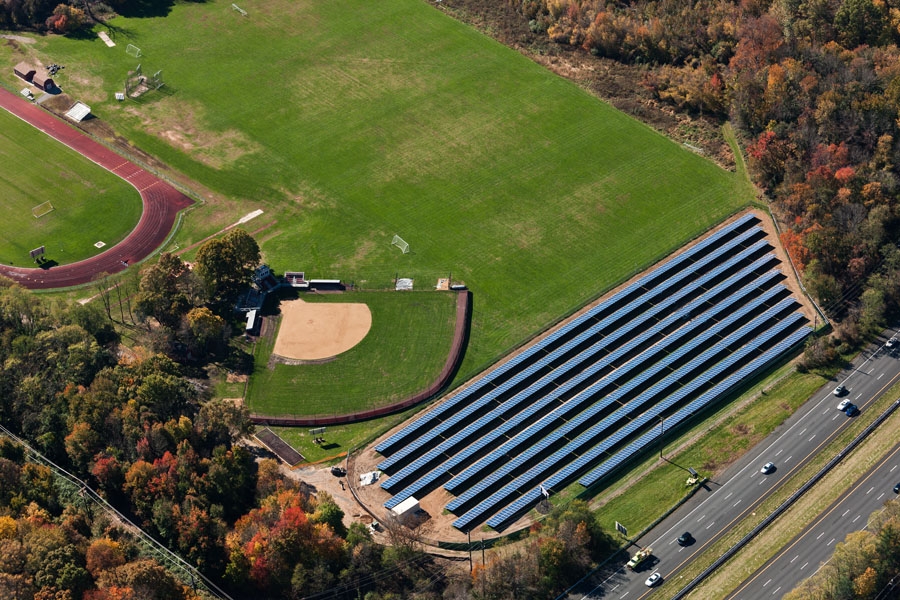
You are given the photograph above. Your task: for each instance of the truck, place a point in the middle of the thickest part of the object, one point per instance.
(640, 557)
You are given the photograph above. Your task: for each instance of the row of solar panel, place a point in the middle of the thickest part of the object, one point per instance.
(532, 496)
(615, 397)
(564, 411)
(488, 421)
(711, 241)
(618, 416)
(482, 403)
(490, 505)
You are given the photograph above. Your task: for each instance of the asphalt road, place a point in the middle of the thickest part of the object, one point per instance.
(724, 502)
(806, 553)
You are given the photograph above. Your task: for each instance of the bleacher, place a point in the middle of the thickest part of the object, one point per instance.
(583, 400)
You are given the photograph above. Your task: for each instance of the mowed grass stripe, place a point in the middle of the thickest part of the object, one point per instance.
(90, 204)
(402, 354)
(350, 121)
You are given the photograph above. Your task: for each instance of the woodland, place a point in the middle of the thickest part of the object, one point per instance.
(812, 88)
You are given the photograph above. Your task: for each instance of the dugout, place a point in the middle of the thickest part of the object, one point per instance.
(25, 71)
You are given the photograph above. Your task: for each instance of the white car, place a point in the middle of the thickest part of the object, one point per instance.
(651, 581)
(839, 390)
(843, 404)
(767, 468)
(891, 342)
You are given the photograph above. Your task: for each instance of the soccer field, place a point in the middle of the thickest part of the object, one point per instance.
(89, 204)
(348, 122)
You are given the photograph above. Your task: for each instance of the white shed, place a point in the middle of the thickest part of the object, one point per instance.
(406, 509)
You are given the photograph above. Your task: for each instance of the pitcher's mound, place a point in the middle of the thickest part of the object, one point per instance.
(317, 330)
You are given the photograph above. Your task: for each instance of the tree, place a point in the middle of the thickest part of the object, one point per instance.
(207, 328)
(161, 295)
(226, 264)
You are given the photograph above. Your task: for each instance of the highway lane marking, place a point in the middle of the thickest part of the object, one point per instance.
(825, 412)
(793, 559)
(830, 543)
(812, 438)
(802, 432)
(767, 583)
(711, 524)
(736, 503)
(789, 458)
(856, 519)
(892, 468)
(776, 590)
(846, 512)
(779, 452)
(701, 518)
(834, 417)
(730, 494)
(880, 496)
(869, 372)
(858, 396)
(810, 528)
(879, 377)
(870, 490)
(623, 595)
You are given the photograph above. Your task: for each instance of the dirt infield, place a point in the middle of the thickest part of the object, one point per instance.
(161, 203)
(314, 330)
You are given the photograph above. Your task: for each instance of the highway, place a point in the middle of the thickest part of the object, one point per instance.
(735, 493)
(806, 553)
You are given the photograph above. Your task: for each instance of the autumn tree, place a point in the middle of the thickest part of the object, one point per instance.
(226, 264)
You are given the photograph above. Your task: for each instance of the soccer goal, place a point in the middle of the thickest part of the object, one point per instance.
(42, 209)
(398, 241)
(133, 50)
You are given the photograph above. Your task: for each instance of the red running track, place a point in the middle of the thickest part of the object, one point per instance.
(161, 203)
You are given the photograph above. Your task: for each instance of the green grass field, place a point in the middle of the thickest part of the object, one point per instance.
(89, 203)
(402, 354)
(348, 122)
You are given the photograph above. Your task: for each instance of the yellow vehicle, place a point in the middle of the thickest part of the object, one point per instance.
(640, 557)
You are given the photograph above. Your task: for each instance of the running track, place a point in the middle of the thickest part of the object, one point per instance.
(161, 202)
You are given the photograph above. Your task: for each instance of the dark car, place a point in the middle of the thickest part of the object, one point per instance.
(685, 539)
(852, 410)
(897, 489)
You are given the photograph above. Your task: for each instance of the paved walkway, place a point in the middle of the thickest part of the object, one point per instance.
(161, 202)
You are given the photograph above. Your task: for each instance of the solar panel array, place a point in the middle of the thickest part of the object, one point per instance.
(583, 400)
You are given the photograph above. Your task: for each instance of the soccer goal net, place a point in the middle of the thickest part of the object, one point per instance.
(133, 50)
(398, 241)
(42, 209)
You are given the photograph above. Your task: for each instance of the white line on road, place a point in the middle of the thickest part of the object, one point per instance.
(779, 452)
(804, 565)
(879, 377)
(736, 503)
(858, 396)
(870, 490)
(845, 513)
(701, 518)
(834, 417)
(821, 534)
(776, 590)
(880, 496)
(789, 458)
(793, 559)
(811, 439)
(892, 468)
(830, 543)
(802, 432)
(856, 519)
(767, 583)
(730, 494)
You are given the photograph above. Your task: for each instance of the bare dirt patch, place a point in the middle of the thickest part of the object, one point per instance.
(316, 331)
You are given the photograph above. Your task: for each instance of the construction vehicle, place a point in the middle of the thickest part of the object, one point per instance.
(640, 557)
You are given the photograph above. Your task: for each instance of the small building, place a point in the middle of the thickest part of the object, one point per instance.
(406, 511)
(42, 81)
(25, 71)
(251, 322)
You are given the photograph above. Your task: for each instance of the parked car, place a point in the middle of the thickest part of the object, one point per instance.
(839, 390)
(843, 404)
(653, 579)
(685, 539)
(852, 410)
(767, 468)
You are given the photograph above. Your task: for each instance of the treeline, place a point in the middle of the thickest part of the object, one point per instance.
(814, 89)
